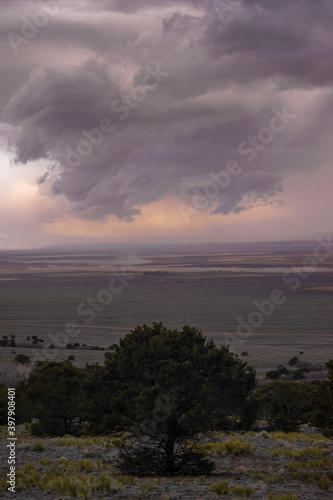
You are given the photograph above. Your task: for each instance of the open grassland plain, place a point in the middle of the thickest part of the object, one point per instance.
(261, 466)
(41, 292)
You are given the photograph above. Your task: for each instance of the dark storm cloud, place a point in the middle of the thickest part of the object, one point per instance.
(135, 6)
(221, 80)
(290, 41)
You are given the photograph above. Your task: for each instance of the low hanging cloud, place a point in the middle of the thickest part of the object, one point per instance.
(148, 114)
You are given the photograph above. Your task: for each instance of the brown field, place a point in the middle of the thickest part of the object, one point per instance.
(208, 288)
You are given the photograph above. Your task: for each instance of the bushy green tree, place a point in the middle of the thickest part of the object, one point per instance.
(97, 390)
(4, 341)
(22, 358)
(52, 398)
(170, 386)
(284, 405)
(322, 401)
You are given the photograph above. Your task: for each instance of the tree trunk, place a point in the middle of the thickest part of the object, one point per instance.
(170, 455)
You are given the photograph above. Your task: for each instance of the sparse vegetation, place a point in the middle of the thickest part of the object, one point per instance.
(313, 464)
(102, 483)
(44, 461)
(86, 479)
(242, 492)
(229, 447)
(175, 441)
(147, 486)
(127, 480)
(87, 466)
(310, 452)
(75, 487)
(273, 478)
(220, 488)
(284, 496)
(320, 480)
(38, 446)
(296, 436)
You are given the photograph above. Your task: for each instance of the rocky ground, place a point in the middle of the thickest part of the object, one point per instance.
(297, 464)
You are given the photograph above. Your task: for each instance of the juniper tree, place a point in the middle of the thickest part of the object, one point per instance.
(170, 386)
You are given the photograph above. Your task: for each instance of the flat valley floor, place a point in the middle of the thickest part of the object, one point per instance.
(219, 289)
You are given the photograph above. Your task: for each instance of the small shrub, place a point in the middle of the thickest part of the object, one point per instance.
(68, 441)
(293, 361)
(24, 481)
(178, 479)
(283, 370)
(298, 375)
(29, 467)
(245, 492)
(232, 447)
(273, 375)
(313, 464)
(3, 482)
(256, 474)
(38, 446)
(273, 478)
(44, 461)
(220, 488)
(147, 486)
(102, 484)
(87, 466)
(323, 483)
(310, 452)
(295, 436)
(127, 480)
(75, 487)
(22, 358)
(89, 453)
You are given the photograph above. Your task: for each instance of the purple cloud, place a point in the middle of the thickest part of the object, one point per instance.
(151, 136)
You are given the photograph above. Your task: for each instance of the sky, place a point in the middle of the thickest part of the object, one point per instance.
(165, 121)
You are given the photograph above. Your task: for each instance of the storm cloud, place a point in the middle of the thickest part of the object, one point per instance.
(131, 102)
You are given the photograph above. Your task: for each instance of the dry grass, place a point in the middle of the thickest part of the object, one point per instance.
(228, 447)
(242, 492)
(284, 496)
(296, 436)
(290, 453)
(220, 488)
